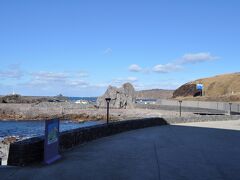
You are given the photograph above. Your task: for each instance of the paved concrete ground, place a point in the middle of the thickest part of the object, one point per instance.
(166, 152)
(231, 125)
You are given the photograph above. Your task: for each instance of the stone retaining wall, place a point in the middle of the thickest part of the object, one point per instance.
(222, 106)
(176, 108)
(207, 118)
(31, 151)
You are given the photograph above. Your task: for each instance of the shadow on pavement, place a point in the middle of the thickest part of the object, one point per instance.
(164, 152)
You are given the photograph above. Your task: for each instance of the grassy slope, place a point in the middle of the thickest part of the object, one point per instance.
(226, 84)
(224, 87)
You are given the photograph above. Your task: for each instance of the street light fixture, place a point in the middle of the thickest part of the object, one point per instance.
(230, 108)
(180, 108)
(108, 101)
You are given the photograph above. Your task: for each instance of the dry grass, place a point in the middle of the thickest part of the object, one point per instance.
(224, 87)
(227, 84)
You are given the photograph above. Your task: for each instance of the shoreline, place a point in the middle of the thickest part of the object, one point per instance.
(66, 110)
(83, 113)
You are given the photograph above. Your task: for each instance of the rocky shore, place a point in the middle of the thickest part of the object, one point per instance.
(122, 106)
(72, 111)
(17, 98)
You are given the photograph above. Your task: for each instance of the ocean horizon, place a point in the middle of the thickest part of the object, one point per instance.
(91, 99)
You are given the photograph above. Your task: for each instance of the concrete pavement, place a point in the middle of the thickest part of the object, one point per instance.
(165, 152)
(231, 125)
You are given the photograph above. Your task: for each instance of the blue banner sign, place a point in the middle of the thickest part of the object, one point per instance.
(199, 87)
(51, 143)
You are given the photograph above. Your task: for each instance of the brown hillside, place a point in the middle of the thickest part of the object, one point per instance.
(224, 87)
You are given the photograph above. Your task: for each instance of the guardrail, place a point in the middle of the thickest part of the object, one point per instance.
(221, 106)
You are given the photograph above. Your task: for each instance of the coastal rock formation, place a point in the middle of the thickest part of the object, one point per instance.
(16, 98)
(121, 98)
(58, 98)
(186, 90)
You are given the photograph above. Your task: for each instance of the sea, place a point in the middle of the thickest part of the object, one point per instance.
(89, 99)
(28, 129)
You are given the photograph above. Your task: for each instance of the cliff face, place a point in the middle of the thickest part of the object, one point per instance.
(186, 90)
(224, 87)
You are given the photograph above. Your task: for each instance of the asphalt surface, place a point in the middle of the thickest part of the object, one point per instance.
(184, 109)
(186, 151)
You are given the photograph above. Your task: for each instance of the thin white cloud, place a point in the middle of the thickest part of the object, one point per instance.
(134, 68)
(132, 79)
(178, 65)
(101, 85)
(167, 68)
(81, 74)
(78, 83)
(58, 79)
(49, 76)
(12, 72)
(50, 83)
(107, 51)
(193, 58)
(120, 81)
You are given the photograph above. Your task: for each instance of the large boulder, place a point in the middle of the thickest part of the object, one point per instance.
(121, 98)
(186, 90)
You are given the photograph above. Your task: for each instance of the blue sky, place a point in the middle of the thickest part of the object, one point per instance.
(78, 48)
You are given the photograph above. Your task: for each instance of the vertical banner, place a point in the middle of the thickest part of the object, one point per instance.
(51, 143)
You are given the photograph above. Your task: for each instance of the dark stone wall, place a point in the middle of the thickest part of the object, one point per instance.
(31, 151)
(25, 152)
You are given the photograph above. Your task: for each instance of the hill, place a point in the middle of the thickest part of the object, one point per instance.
(154, 94)
(224, 87)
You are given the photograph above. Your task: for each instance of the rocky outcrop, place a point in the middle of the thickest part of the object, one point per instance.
(186, 90)
(16, 98)
(58, 98)
(11, 99)
(121, 98)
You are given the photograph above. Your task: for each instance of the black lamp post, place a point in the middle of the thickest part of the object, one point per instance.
(108, 101)
(62, 112)
(180, 108)
(230, 108)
